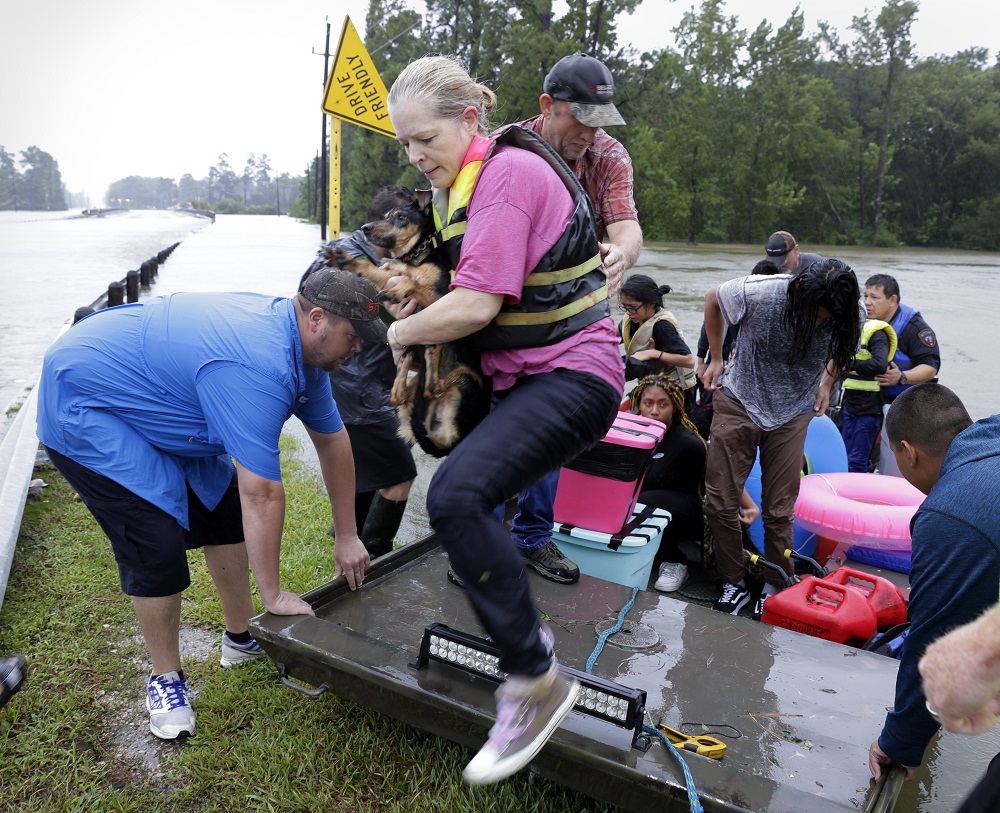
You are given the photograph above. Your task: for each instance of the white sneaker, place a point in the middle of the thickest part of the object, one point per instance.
(672, 576)
(529, 710)
(170, 712)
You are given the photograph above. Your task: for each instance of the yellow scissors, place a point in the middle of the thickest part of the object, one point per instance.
(706, 746)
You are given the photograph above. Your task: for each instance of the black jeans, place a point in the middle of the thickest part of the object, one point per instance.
(535, 427)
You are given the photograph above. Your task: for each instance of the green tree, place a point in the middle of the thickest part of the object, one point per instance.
(889, 38)
(8, 180)
(136, 192)
(40, 186)
(392, 36)
(262, 180)
(225, 181)
(947, 157)
(190, 191)
(249, 168)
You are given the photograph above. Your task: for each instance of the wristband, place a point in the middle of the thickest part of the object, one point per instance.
(660, 356)
(393, 338)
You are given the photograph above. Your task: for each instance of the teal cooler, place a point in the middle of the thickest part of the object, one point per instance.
(625, 557)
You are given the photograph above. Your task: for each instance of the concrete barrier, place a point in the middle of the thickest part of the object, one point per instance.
(18, 449)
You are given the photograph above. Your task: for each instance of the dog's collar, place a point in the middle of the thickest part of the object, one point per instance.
(420, 251)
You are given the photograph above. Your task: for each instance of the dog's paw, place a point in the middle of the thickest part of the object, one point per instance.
(336, 255)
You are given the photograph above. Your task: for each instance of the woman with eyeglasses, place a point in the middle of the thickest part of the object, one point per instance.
(654, 342)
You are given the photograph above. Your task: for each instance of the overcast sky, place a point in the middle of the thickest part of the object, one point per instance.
(112, 88)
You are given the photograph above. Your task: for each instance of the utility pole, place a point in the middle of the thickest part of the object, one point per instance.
(309, 194)
(322, 164)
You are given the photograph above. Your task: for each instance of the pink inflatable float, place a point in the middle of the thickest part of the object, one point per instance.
(871, 510)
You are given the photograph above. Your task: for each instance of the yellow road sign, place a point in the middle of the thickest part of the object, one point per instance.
(354, 91)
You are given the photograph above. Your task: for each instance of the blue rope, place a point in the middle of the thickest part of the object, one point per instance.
(692, 791)
(611, 631)
(693, 799)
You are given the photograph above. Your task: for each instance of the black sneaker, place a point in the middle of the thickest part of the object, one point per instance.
(758, 607)
(13, 669)
(550, 562)
(733, 599)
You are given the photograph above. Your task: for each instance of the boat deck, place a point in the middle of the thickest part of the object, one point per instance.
(805, 709)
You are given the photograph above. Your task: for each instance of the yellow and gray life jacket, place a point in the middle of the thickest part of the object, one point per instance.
(854, 381)
(639, 337)
(567, 291)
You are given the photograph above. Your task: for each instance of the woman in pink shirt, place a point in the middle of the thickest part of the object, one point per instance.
(529, 283)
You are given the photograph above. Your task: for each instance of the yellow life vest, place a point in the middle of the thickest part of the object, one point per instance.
(640, 337)
(854, 381)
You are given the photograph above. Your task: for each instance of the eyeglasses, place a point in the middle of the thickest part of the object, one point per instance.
(631, 310)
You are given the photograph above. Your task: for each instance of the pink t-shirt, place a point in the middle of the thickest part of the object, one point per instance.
(518, 211)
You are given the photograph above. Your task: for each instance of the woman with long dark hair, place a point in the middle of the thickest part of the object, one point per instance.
(797, 334)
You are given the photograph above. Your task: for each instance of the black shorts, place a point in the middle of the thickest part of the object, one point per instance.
(150, 545)
(381, 457)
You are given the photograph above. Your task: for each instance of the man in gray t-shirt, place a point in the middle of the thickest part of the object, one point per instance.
(796, 334)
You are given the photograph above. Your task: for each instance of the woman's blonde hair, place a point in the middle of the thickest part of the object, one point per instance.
(444, 83)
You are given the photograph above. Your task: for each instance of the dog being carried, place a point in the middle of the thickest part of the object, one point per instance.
(440, 391)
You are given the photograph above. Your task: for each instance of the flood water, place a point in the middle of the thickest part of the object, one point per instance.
(51, 264)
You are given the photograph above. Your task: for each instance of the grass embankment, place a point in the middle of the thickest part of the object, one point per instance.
(76, 737)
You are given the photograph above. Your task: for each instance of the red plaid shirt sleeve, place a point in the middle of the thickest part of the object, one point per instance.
(605, 172)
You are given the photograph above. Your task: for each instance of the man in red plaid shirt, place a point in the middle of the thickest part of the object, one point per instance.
(576, 105)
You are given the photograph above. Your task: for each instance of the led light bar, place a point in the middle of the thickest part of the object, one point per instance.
(606, 700)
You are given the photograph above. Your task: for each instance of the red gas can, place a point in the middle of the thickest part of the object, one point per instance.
(884, 598)
(822, 609)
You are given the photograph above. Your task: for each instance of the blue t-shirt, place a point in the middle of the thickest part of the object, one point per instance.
(157, 395)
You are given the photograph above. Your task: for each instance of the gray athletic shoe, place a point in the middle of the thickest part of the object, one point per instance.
(170, 712)
(234, 653)
(552, 564)
(529, 710)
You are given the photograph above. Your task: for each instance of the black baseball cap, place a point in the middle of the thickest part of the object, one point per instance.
(586, 84)
(344, 293)
(778, 246)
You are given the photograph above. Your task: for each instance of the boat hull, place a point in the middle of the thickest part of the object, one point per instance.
(806, 709)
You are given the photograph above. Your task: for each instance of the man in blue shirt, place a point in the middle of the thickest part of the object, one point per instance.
(165, 417)
(956, 547)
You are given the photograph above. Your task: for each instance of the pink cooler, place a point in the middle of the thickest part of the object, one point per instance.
(599, 488)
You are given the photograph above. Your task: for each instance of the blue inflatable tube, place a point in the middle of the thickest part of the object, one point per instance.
(824, 452)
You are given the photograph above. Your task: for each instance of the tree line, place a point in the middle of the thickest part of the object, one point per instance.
(736, 132)
(255, 189)
(31, 182)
